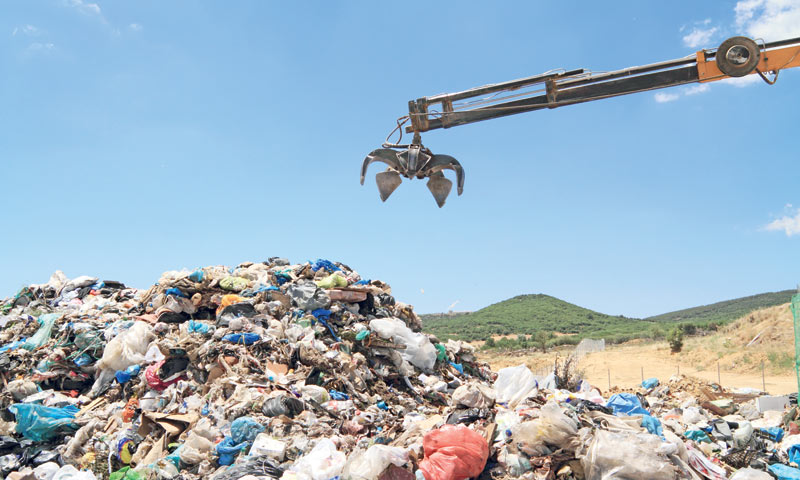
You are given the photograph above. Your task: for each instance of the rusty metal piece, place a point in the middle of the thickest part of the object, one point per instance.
(347, 295)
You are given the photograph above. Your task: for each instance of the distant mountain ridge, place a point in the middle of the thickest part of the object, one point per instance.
(564, 322)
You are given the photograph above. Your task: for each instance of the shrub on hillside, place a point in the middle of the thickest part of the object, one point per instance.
(675, 339)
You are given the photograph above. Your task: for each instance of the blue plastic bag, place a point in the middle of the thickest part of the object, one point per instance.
(39, 423)
(13, 345)
(336, 395)
(243, 432)
(245, 429)
(175, 291)
(197, 276)
(794, 454)
(198, 327)
(242, 338)
(326, 264)
(775, 433)
(653, 425)
(650, 383)
(626, 404)
(698, 436)
(227, 450)
(124, 376)
(784, 472)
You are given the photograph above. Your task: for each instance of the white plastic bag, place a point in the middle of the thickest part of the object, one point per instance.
(552, 427)
(506, 421)
(126, 349)
(474, 395)
(323, 462)
(195, 449)
(751, 474)
(46, 471)
(68, 472)
(419, 350)
(369, 464)
(514, 384)
(625, 455)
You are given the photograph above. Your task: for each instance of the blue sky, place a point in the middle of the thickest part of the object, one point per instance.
(139, 137)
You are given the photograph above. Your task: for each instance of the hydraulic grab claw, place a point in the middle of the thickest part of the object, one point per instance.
(414, 161)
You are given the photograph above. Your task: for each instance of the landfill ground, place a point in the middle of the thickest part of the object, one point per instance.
(306, 371)
(625, 362)
(765, 335)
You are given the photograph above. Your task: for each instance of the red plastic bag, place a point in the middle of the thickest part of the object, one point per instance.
(453, 452)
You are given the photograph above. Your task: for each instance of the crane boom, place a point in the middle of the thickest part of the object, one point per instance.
(735, 57)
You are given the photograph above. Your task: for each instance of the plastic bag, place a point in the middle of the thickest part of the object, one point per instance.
(751, 474)
(245, 429)
(474, 395)
(741, 436)
(332, 281)
(369, 464)
(242, 338)
(308, 297)
(316, 393)
(453, 452)
(262, 466)
(650, 383)
(127, 348)
(625, 455)
(43, 334)
(21, 388)
(282, 405)
(514, 384)
(195, 449)
(236, 284)
(323, 462)
(39, 423)
(68, 472)
(419, 351)
(653, 425)
(46, 471)
(692, 415)
(626, 404)
(552, 427)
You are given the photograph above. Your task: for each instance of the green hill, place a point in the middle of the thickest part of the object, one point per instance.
(529, 314)
(555, 321)
(727, 311)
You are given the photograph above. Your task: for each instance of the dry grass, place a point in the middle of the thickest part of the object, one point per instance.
(766, 335)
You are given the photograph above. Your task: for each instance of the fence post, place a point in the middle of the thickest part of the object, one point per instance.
(763, 379)
(719, 379)
(609, 379)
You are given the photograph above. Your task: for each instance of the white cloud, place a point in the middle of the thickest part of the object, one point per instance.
(28, 30)
(40, 47)
(745, 81)
(135, 27)
(768, 19)
(790, 224)
(699, 37)
(662, 97)
(86, 8)
(695, 89)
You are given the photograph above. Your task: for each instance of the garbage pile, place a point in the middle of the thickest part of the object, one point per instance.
(306, 371)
